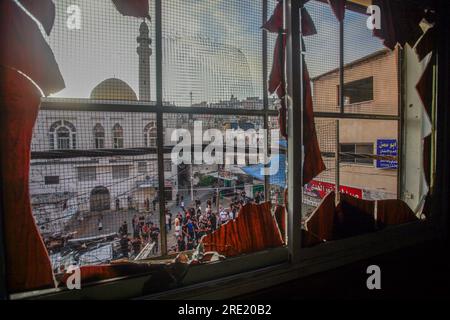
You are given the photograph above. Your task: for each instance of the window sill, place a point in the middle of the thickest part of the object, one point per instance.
(245, 274)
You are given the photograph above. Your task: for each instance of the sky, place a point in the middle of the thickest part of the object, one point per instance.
(211, 48)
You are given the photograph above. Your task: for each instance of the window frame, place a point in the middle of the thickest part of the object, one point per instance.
(92, 175)
(357, 102)
(99, 136)
(279, 264)
(118, 171)
(354, 160)
(150, 134)
(117, 136)
(48, 182)
(54, 143)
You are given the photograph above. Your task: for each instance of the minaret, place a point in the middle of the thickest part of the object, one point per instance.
(144, 52)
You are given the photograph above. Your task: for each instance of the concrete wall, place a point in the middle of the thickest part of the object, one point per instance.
(380, 183)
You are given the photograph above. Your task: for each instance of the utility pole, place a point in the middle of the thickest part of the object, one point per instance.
(192, 185)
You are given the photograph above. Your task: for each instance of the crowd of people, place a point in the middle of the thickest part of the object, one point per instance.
(192, 223)
(143, 232)
(189, 225)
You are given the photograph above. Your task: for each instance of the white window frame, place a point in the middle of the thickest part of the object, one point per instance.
(150, 134)
(55, 140)
(99, 140)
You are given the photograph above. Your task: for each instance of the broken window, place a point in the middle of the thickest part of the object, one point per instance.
(358, 91)
(201, 83)
(87, 174)
(120, 172)
(51, 180)
(356, 153)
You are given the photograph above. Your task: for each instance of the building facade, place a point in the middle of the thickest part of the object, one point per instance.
(371, 88)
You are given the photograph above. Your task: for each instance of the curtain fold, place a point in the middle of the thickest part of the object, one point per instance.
(27, 263)
(399, 23)
(313, 163)
(253, 230)
(427, 43)
(338, 7)
(25, 56)
(43, 11)
(25, 49)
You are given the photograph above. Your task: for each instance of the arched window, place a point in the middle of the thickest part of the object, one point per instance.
(150, 134)
(62, 135)
(99, 136)
(117, 136)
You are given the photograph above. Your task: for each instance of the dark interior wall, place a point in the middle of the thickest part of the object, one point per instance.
(418, 272)
(441, 197)
(3, 290)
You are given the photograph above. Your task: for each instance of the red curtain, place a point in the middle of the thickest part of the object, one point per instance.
(43, 11)
(27, 262)
(313, 163)
(399, 23)
(338, 7)
(253, 230)
(134, 8)
(25, 50)
(321, 221)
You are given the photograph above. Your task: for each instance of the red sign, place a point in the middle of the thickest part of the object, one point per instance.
(320, 189)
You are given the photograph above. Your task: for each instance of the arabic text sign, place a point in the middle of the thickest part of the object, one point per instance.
(321, 189)
(387, 147)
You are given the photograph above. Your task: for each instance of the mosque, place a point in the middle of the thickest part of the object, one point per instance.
(84, 160)
(88, 161)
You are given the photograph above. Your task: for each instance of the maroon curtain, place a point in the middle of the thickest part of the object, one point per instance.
(134, 8)
(399, 22)
(321, 221)
(25, 50)
(253, 230)
(338, 7)
(424, 86)
(313, 163)
(427, 43)
(27, 263)
(43, 11)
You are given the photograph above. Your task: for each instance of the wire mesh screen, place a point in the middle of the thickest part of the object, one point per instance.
(370, 87)
(271, 42)
(370, 70)
(204, 193)
(102, 54)
(93, 177)
(212, 53)
(94, 173)
(278, 180)
(322, 55)
(322, 184)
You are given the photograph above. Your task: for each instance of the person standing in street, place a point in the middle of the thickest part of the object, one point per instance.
(168, 221)
(100, 223)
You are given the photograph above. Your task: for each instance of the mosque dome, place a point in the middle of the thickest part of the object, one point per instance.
(113, 89)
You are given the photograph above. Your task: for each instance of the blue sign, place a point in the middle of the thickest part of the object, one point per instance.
(387, 147)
